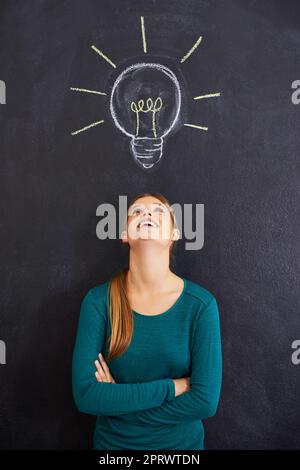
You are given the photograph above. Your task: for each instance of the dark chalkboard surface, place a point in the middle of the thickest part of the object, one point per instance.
(241, 163)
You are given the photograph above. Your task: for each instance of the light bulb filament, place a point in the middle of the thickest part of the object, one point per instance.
(150, 107)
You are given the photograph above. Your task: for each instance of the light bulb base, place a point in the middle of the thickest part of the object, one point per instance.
(147, 151)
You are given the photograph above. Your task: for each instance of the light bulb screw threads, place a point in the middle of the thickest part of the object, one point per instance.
(147, 151)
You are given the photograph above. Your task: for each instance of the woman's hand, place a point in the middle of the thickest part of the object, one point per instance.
(102, 373)
(181, 385)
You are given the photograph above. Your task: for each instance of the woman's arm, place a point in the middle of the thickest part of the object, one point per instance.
(201, 401)
(99, 398)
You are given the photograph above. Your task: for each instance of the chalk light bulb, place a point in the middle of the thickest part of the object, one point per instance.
(145, 104)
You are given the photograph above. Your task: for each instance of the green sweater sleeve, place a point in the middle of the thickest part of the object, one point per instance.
(105, 398)
(201, 400)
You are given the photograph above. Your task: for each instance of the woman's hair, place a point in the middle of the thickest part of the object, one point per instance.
(121, 317)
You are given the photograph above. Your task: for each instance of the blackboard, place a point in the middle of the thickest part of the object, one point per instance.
(243, 168)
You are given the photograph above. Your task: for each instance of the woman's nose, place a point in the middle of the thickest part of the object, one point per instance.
(147, 211)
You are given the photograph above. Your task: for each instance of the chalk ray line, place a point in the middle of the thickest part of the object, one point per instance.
(87, 127)
(197, 127)
(210, 95)
(192, 49)
(103, 56)
(85, 90)
(143, 34)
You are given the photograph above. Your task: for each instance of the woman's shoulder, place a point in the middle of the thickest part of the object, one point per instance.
(200, 293)
(98, 292)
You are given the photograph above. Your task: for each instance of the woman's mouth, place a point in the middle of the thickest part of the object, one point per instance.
(147, 223)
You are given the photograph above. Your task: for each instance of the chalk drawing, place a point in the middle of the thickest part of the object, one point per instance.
(127, 102)
(145, 103)
(191, 50)
(197, 127)
(143, 34)
(87, 127)
(211, 95)
(88, 91)
(151, 107)
(103, 55)
(200, 97)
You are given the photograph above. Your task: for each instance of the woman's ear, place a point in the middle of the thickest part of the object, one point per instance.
(175, 234)
(124, 237)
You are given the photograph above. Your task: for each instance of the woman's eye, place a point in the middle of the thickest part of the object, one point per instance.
(138, 210)
(134, 211)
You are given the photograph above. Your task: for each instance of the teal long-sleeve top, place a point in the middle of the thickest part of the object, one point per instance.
(140, 410)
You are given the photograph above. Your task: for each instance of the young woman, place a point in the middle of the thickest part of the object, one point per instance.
(147, 359)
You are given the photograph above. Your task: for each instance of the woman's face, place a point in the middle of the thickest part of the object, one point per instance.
(149, 219)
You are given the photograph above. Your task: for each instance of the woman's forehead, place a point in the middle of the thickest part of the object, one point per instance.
(147, 204)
